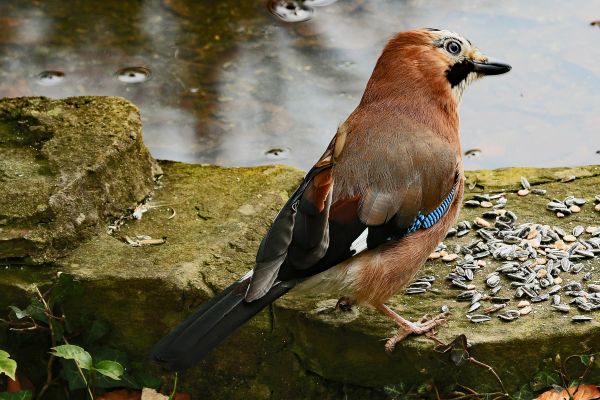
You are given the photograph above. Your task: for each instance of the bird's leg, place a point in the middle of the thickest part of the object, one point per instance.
(425, 325)
(344, 304)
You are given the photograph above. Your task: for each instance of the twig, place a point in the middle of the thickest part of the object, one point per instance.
(489, 368)
(468, 389)
(49, 378)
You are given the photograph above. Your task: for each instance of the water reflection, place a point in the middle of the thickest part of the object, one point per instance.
(133, 74)
(231, 82)
(50, 78)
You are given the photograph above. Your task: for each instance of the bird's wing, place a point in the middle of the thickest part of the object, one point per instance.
(303, 221)
(380, 188)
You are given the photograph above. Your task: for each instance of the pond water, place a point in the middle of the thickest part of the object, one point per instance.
(230, 83)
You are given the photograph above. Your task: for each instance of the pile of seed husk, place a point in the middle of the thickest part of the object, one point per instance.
(538, 263)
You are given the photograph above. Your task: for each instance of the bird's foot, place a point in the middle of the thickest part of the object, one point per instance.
(344, 304)
(425, 326)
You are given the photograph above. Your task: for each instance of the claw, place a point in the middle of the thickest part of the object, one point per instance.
(424, 326)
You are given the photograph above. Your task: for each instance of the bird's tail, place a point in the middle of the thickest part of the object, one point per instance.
(218, 318)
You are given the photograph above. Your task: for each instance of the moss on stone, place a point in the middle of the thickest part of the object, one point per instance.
(66, 167)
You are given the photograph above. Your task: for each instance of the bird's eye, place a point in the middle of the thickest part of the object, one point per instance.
(453, 47)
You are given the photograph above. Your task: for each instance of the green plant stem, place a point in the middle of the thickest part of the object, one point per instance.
(172, 396)
(87, 385)
(49, 377)
(49, 313)
(489, 368)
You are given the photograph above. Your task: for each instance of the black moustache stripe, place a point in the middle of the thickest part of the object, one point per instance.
(459, 72)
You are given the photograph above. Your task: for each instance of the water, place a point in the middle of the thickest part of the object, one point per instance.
(227, 82)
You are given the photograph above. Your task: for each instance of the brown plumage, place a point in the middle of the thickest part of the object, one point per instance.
(392, 175)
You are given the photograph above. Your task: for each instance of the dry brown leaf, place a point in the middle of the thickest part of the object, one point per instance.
(581, 392)
(121, 395)
(13, 386)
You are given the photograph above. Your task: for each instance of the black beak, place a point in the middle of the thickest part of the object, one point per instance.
(491, 67)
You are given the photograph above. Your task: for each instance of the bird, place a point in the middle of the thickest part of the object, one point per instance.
(373, 207)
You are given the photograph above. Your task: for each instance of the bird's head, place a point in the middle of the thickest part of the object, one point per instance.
(429, 62)
(459, 61)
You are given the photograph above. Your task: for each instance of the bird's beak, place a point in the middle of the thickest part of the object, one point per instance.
(490, 67)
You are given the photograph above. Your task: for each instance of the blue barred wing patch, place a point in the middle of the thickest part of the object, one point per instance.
(424, 221)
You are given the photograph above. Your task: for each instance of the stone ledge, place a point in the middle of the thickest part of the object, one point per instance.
(298, 348)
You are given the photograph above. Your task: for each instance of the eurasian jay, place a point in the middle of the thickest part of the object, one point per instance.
(392, 176)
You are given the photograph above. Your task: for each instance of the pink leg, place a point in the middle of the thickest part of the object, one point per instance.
(425, 325)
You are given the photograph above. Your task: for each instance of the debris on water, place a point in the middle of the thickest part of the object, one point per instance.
(318, 3)
(50, 78)
(290, 10)
(278, 153)
(133, 74)
(473, 153)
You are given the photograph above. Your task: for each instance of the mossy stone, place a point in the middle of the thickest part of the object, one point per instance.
(66, 168)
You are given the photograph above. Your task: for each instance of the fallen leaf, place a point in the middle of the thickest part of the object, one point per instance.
(581, 392)
(122, 394)
(151, 394)
(146, 394)
(13, 386)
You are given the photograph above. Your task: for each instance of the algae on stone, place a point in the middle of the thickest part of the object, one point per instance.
(66, 167)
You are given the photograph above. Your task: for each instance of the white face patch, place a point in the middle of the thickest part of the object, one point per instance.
(461, 51)
(458, 90)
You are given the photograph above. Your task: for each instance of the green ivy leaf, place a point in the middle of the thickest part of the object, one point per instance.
(75, 353)
(7, 366)
(142, 379)
(65, 287)
(523, 394)
(70, 374)
(97, 330)
(20, 314)
(544, 379)
(58, 329)
(21, 395)
(112, 369)
(37, 311)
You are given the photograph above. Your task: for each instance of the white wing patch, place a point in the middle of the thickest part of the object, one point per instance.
(360, 243)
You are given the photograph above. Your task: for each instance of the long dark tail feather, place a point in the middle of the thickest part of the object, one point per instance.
(218, 318)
